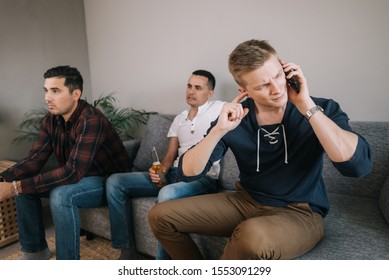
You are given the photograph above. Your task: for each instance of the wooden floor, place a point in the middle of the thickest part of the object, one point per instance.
(14, 248)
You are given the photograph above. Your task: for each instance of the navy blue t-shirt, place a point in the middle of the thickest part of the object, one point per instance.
(281, 164)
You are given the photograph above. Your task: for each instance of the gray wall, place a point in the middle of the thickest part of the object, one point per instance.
(35, 36)
(146, 49)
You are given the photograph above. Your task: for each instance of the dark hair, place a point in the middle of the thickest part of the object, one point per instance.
(211, 78)
(73, 78)
(249, 56)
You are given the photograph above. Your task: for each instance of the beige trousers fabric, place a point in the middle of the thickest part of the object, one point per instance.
(256, 231)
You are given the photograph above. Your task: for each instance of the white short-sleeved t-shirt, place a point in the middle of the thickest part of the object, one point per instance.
(190, 132)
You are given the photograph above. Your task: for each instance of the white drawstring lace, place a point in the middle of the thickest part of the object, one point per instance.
(272, 140)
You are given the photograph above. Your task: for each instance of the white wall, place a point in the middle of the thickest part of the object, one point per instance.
(35, 36)
(146, 49)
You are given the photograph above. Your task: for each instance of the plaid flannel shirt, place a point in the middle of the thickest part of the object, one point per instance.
(85, 145)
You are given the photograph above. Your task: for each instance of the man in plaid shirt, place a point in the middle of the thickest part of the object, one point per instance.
(88, 150)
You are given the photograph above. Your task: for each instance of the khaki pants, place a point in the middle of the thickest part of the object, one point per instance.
(257, 231)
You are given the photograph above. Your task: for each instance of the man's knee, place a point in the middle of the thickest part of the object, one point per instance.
(117, 186)
(250, 241)
(59, 197)
(110, 185)
(166, 194)
(157, 216)
(153, 216)
(112, 182)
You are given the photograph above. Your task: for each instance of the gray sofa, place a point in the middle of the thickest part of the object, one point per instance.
(357, 226)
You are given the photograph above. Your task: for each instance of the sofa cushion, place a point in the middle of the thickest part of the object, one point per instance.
(384, 200)
(132, 147)
(96, 220)
(377, 135)
(354, 230)
(146, 243)
(229, 172)
(155, 135)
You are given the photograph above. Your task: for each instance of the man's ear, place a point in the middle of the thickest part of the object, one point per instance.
(243, 91)
(76, 94)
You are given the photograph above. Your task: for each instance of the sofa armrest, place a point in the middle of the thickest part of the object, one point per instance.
(132, 147)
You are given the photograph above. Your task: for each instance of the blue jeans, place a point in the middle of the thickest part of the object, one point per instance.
(121, 187)
(89, 192)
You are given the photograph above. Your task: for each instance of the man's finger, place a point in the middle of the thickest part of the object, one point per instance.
(239, 97)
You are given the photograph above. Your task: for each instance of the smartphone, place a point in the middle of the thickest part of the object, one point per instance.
(293, 83)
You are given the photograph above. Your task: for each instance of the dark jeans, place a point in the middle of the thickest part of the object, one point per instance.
(121, 187)
(65, 202)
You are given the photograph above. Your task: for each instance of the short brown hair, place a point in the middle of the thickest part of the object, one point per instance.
(248, 56)
(73, 78)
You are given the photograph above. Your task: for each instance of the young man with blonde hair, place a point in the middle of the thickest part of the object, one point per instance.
(278, 137)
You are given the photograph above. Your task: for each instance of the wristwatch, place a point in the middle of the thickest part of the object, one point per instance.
(312, 111)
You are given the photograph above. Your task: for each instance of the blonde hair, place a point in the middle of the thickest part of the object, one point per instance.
(248, 56)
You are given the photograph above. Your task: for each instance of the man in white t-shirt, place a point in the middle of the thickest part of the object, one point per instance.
(187, 129)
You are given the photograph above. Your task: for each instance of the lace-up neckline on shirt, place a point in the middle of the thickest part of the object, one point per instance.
(272, 139)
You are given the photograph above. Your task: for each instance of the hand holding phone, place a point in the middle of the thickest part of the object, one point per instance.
(293, 82)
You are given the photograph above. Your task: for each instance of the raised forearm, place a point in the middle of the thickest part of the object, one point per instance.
(339, 144)
(196, 158)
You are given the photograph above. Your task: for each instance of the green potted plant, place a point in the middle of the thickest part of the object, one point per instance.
(126, 121)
